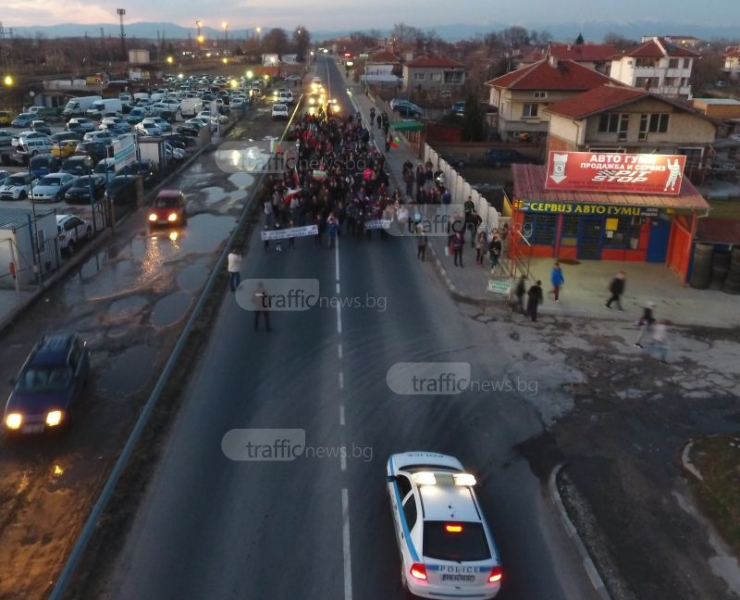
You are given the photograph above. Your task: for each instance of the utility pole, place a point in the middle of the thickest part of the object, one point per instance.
(121, 13)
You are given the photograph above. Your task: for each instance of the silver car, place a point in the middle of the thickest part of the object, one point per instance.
(52, 187)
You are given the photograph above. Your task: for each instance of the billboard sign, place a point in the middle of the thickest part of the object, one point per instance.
(124, 151)
(615, 172)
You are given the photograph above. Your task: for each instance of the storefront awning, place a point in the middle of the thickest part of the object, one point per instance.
(409, 126)
(529, 185)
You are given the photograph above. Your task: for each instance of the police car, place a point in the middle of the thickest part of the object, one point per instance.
(447, 550)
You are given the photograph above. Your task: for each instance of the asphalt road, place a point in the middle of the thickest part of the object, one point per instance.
(319, 526)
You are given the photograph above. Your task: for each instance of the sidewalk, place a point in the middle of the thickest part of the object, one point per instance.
(585, 291)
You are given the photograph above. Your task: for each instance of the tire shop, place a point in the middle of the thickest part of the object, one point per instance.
(600, 206)
(716, 262)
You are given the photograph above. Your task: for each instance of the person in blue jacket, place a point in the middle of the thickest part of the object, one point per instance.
(557, 279)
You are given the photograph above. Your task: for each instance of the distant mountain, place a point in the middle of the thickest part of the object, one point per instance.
(593, 31)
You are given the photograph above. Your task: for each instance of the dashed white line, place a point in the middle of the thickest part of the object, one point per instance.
(341, 380)
(341, 416)
(346, 546)
(339, 352)
(343, 462)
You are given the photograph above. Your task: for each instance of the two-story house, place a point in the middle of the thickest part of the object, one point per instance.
(381, 66)
(656, 65)
(521, 96)
(612, 118)
(433, 73)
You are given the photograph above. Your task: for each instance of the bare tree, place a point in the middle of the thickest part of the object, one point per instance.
(275, 41)
(619, 41)
(302, 39)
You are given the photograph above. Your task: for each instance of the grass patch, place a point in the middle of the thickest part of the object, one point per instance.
(718, 460)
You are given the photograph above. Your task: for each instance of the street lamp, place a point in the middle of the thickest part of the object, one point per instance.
(199, 38)
(170, 60)
(8, 80)
(225, 25)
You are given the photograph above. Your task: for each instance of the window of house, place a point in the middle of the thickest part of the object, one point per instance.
(541, 228)
(644, 63)
(686, 63)
(419, 76)
(540, 94)
(654, 123)
(613, 123)
(530, 110)
(435, 77)
(673, 63)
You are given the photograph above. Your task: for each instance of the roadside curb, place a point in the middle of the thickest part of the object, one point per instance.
(454, 292)
(588, 563)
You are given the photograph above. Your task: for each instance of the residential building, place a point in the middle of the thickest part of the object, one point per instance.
(521, 96)
(656, 65)
(732, 64)
(381, 66)
(613, 118)
(593, 56)
(433, 73)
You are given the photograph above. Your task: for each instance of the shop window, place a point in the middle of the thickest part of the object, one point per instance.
(622, 233)
(540, 229)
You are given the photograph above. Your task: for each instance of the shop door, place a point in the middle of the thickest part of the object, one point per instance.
(589, 238)
(660, 231)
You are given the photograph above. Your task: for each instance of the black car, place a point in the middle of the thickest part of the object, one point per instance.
(66, 135)
(496, 157)
(49, 386)
(41, 127)
(168, 115)
(189, 130)
(145, 169)
(78, 165)
(86, 189)
(95, 150)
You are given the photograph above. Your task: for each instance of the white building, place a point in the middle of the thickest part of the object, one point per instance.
(656, 66)
(25, 245)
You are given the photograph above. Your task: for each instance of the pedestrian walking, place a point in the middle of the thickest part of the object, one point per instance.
(659, 340)
(278, 241)
(534, 299)
(266, 242)
(421, 244)
(332, 227)
(557, 279)
(291, 240)
(457, 248)
(494, 251)
(616, 288)
(520, 292)
(261, 303)
(234, 268)
(645, 322)
(480, 248)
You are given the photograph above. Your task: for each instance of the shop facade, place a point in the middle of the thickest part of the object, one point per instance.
(615, 224)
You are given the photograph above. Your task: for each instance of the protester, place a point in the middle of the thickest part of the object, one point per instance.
(616, 288)
(645, 322)
(261, 303)
(557, 279)
(521, 291)
(234, 260)
(534, 299)
(480, 248)
(422, 242)
(457, 248)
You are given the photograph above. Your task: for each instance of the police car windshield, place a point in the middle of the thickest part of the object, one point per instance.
(467, 544)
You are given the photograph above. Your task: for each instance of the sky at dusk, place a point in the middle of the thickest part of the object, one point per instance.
(380, 14)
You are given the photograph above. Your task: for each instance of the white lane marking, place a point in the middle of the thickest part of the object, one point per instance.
(339, 351)
(341, 415)
(346, 547)
(336, 255)
(339, 319)
(341, 380)
(343, 462)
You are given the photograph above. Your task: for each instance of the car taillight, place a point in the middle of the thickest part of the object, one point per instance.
(418, 571)
(496, 575)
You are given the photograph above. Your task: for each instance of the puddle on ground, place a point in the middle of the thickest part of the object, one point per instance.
(192, 277)
(128, 372)
(171, 308)
(156, 246)
(204, 233)
(241, 180)
(127, 307)
(115, 279)
(214, 195)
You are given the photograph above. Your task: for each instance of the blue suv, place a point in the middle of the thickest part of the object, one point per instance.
(49, 385)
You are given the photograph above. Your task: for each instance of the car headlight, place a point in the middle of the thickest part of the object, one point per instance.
(153, 217)
(172, 217)
(13, 421)
(54, 418)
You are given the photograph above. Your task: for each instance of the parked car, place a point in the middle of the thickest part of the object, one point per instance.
(173, 153)
(23, 120)
(122, 189)
(168, 209)
(6, 136)
(144, 169)
(28, 149)
(17, 186)
(64, 148)
(280, 111)
(52, 187)
(99, 136)
(136, 115)
(43, 164)
(158, 122)
(66, 135)
(95, 150)
(80, 124)
(503, 157)
(6, 117)
(107, 165)
(78, 165)
(41, 126)
(73, 231)
(87, 189)
(19, 138)
(406, 109)
(147, 129)
(49, 386)
(4, 175)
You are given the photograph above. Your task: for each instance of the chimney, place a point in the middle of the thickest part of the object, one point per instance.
(553, 62)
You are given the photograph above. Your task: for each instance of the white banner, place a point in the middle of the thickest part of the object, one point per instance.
(378, 224)
(284, 234)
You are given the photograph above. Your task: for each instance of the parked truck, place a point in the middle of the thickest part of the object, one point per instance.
(77, 107)
(100, 107)
(190, 107)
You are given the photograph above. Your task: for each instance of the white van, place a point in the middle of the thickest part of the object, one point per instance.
(189, 107)
(77, 107)
(98, 108)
